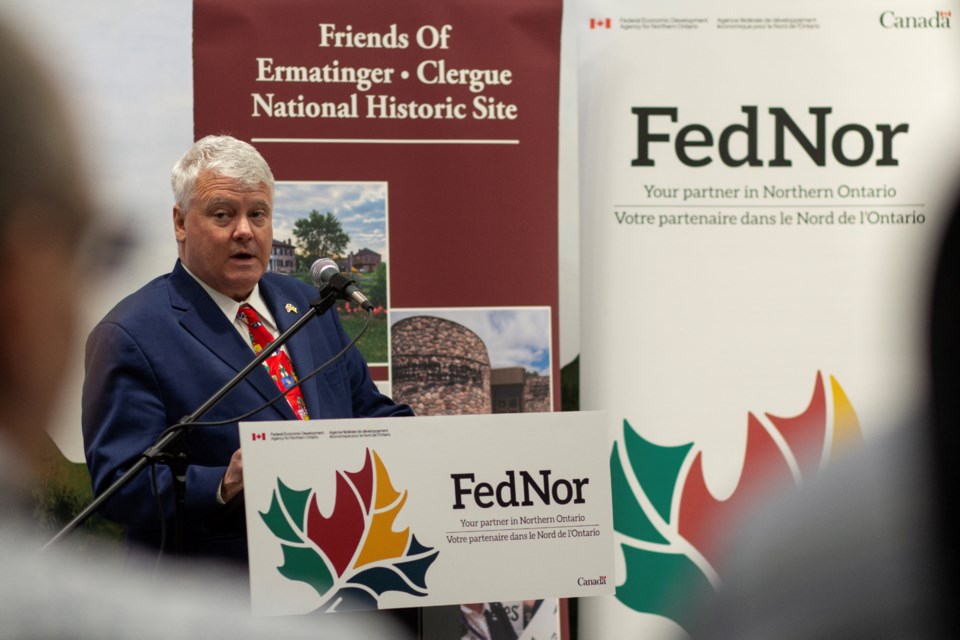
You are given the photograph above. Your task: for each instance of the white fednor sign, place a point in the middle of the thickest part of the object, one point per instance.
(425, 511)
(762, 187)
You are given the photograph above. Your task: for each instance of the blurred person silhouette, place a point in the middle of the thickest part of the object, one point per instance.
(47, 237)
(868, 549)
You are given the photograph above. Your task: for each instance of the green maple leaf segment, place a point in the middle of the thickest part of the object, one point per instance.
(656, 572)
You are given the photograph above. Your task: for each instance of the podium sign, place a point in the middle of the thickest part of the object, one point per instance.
(408, 512)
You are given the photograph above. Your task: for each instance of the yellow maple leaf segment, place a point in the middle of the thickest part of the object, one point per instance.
(382, 541)
(846, 425)
(385, 493)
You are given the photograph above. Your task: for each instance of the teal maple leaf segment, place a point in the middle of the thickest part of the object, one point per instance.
(652, 576)
(363, 589)
(419, 558)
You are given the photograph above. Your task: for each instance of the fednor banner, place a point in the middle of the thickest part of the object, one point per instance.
(761, 186)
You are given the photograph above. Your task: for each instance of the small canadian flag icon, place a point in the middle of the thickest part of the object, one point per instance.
(259, 436)
(599, 23)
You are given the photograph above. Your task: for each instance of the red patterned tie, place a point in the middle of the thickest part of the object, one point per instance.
(278, 364)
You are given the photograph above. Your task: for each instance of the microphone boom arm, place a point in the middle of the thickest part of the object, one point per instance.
(160, 449)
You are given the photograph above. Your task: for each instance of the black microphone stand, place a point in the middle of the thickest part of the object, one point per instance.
(160, 451)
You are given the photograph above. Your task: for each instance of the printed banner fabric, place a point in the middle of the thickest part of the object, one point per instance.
(761, 187)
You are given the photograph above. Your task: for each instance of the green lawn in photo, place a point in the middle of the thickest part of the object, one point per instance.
(373, 345)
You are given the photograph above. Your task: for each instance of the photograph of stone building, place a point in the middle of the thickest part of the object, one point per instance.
(470, 361)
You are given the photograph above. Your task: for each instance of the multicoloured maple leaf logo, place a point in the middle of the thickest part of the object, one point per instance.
(353, 556)
(665, 516)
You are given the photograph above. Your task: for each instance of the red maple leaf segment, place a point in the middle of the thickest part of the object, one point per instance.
(339, 535)
(363, 481)
(705, 521)
(806, 433)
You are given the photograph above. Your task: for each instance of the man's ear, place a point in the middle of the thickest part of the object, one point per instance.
(178, 223)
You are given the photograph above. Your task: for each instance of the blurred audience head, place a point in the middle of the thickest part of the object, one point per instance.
(44, 222)
(944, 348)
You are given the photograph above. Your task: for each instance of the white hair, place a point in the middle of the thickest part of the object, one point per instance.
(223, 155)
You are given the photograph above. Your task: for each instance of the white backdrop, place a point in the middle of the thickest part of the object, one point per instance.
(691, 327)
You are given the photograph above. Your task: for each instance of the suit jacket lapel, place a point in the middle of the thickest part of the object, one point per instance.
(203, 319)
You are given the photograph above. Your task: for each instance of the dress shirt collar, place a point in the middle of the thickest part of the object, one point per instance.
(230, 307)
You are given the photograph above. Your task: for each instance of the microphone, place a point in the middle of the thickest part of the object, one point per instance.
(326, 272)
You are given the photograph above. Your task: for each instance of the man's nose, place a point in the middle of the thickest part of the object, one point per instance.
(243, 230)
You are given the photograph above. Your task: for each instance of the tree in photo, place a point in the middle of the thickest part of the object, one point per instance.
(376, 286)
(319, 236)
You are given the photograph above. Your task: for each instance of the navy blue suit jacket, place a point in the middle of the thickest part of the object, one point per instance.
(158, 355)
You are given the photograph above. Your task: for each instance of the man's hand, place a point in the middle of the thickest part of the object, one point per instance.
(233, 478)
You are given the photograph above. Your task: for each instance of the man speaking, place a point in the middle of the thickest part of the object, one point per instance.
(164, 350)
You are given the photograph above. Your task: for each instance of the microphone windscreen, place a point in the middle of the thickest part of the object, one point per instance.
(322, 270)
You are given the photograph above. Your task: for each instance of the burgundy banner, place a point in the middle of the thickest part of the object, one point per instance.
(453, 105)
(429, 130)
